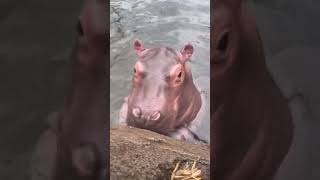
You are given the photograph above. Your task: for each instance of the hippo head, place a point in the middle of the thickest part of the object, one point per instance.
(163, 95)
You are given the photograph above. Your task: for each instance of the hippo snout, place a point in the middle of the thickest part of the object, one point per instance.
(145, 115)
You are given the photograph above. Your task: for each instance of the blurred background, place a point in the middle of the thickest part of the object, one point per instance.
(290, 33)
(35, 36)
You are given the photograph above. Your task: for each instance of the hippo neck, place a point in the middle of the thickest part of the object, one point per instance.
(190, 101)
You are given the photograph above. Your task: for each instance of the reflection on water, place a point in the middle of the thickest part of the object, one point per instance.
(157, 23)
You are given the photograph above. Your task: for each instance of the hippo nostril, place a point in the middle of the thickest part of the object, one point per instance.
(136, 112)
(155, 116)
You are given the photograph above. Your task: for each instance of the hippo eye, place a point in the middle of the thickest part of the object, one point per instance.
(223, 43)
(134, 70)
(180, 74)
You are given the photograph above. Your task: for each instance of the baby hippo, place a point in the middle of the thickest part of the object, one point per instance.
(163, 97)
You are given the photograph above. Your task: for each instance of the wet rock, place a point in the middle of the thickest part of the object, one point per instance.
(142, 154)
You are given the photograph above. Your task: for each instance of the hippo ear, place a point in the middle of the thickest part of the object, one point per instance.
(138, 47)
(186, 53)
(92, 20)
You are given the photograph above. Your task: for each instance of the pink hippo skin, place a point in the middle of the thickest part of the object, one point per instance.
(163, 97)
(73, 148)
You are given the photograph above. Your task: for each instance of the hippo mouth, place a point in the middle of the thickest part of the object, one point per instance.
(157, 121)
(138, 116)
